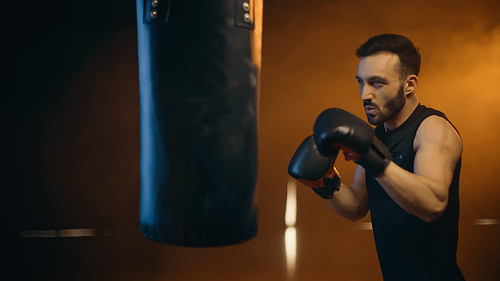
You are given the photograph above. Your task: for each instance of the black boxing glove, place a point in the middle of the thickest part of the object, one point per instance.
(314, 170)
(336, 128)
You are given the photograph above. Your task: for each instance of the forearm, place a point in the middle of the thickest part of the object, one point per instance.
(418, 195)
(347, 204)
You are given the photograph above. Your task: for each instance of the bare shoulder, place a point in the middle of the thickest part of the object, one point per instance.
(436, 132)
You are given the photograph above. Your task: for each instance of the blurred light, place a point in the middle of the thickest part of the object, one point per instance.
(486, 222)
(81, 232)
(365, 226)
(38, 233)
(291, 232)
(76, 232)
(291, 203)
(291, 249)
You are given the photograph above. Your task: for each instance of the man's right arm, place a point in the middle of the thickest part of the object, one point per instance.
(351, 202)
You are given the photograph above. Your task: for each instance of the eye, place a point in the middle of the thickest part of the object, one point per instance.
(360, 82)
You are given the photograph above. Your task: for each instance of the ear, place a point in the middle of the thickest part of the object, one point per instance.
(411, 84)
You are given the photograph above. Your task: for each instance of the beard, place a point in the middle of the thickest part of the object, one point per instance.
(391, 108)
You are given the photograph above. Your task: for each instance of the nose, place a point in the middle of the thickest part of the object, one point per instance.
(366, 93)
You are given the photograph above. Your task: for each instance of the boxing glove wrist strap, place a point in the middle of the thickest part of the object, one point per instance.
(377, 158)
(330, 185)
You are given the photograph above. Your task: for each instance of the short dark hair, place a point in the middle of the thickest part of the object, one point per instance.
(409, 56)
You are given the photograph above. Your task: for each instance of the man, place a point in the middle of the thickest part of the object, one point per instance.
(408, 167)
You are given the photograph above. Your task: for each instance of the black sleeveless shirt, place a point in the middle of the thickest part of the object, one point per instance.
(409, 248)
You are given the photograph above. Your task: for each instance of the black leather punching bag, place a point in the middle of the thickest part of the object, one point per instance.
(199, 65)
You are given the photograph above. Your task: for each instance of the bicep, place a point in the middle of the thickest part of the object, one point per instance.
(358, 187)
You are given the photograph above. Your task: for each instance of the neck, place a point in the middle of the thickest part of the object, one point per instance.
(400, 118)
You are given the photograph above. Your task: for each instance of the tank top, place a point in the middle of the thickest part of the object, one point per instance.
(409, 248)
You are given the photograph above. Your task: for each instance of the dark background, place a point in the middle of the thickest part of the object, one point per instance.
(70, 137)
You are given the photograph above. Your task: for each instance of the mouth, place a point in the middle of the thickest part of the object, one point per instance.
(370, 109)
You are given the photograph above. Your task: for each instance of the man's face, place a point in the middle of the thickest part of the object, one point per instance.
(380, 87)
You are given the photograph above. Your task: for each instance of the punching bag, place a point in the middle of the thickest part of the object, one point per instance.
(199, 65)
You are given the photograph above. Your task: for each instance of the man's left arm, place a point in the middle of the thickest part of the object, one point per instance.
(424, 193)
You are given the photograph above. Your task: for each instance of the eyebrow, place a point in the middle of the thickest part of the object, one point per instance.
(371, 78)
